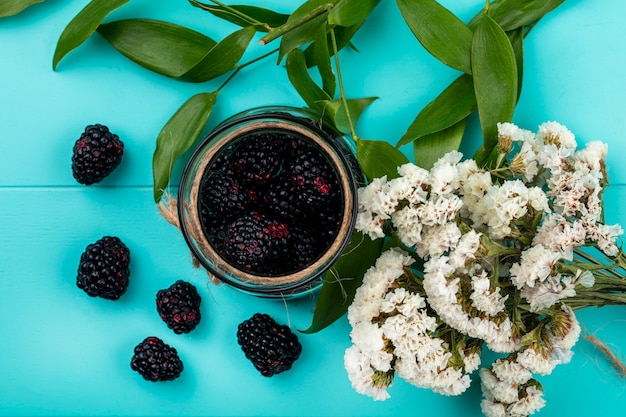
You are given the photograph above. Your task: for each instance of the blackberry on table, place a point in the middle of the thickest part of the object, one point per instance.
(96, 154)
(156, 361)
(271, 347)
(179, 306)
(104, 270)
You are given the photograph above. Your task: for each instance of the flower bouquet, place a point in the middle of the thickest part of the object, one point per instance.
(496, 257)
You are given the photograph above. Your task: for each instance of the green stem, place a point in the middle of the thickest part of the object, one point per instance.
(242, 66)
(275, 33)
(233, 11)
(342, 93)
(252, 61)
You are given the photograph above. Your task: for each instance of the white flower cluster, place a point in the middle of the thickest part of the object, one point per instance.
(392, 333)
(508, 387)
(491, 240)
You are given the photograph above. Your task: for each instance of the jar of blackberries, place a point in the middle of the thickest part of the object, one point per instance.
(267, 202)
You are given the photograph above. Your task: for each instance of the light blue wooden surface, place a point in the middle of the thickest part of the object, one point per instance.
(63, 353)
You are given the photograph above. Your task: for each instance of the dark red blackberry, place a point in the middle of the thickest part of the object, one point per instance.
(96, 154)
(222, 194)
(257, 159)
(252, 238)
(156, 361)
(272, 348)
(314, 179)
(179, 306)
(103, 270)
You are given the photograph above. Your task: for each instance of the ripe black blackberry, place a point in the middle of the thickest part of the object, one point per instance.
(222, 194)
(257, 159)
(314, 179)
(96, 154)
(272, 348)
(179, 306)
(281, 199)
(305, 247)
(253, 238)
(104, 270)
(156, 361)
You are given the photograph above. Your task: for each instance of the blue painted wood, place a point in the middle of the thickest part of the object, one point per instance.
(63, 353)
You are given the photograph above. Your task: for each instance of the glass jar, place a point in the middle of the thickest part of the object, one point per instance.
(249, 222)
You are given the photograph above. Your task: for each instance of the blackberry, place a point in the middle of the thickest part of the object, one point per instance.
(96, 154)
(221, 194)
(179, 306)
(103, 270)
(253, 238)
(257, 159)
(315, 181)
(272, 348)
(281, 199)
(304, 247)
(156, 361)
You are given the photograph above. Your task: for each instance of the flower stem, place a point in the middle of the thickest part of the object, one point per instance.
(342, 93)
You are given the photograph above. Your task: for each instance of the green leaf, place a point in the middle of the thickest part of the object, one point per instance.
(82, 26)
(245, 15)
(222, 58)
(177, 136)
(336, 111)
(301, 80)
(350, 12)
(378, 158)
(454, 104)
(162, 47)
(322, 60)
(300, 27)
(516, 37)
(13, 7)
(342, 280)
(495, 79)
(343, 36)
(513, 14)
(429, 148)
(443, 34)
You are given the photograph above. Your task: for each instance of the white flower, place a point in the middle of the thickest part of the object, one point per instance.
(360, 373)
(407, 222)
(592, 157)
(558, 234)
(493, 409)
(436, 240)
(536, 362)
(444, 175)
(530, 403)
(441, 209)
(465, 249)
(536, 265)
(525, 162)
(483, 299)
(512, 131)
(546, 294)
(511, 371)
